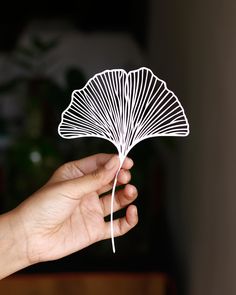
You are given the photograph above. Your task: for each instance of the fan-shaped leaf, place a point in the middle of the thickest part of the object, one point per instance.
(124, 108)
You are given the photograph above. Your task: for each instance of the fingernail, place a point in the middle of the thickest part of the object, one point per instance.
(131, 161)
(134, 192)
(135, 211)
(111, 163)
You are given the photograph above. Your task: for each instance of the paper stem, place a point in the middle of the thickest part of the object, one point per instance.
(112, 206)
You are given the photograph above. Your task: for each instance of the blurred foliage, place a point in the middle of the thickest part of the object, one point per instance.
(36, 150)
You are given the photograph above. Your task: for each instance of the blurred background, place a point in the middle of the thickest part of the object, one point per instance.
(186, 203)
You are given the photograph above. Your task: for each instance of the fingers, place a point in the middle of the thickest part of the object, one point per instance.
(85, 166)
(124, 177)
(124, 224)
(89, 164)
(122, 199)
(93, 182)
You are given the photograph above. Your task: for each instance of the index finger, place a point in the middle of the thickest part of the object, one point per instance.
(94, 162)
(85, 166)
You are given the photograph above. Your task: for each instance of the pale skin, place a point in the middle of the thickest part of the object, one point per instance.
(67, 213)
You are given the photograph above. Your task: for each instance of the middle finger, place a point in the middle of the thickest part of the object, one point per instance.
(124, 177)
(122, 199)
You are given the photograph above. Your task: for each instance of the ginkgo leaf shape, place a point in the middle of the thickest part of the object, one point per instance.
(124, 108)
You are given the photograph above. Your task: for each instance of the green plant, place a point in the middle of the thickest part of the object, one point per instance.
(35, 150)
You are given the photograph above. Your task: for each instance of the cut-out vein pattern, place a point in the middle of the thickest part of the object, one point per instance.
(124, 108)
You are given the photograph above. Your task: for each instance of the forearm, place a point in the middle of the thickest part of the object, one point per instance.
(12, 245)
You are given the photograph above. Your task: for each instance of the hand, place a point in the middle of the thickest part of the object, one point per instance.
(67, 213)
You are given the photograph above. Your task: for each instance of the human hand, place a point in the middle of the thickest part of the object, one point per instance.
(67, 214)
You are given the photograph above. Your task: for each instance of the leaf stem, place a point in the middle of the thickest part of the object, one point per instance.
(112, 203)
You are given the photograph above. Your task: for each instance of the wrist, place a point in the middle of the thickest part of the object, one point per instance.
(13, 249)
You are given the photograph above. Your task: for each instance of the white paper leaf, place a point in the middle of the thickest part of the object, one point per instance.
(124, 108)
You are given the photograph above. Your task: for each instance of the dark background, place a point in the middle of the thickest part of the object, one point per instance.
(89, 16)
(146, 248)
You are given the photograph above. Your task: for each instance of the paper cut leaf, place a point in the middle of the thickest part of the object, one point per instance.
(124, 108)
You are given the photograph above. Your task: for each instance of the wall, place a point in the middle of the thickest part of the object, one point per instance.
(197, 41)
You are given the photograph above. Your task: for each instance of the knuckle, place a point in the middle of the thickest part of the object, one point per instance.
(128, 175)
(97, 174)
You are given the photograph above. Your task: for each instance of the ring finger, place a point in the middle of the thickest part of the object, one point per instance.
(122, 199)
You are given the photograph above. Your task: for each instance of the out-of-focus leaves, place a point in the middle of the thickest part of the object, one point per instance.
(43, 46)
(25, 51)
(21, 62)
(10, 85)
(28, 57)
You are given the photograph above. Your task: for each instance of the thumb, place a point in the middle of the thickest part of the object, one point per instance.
(94, 181)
